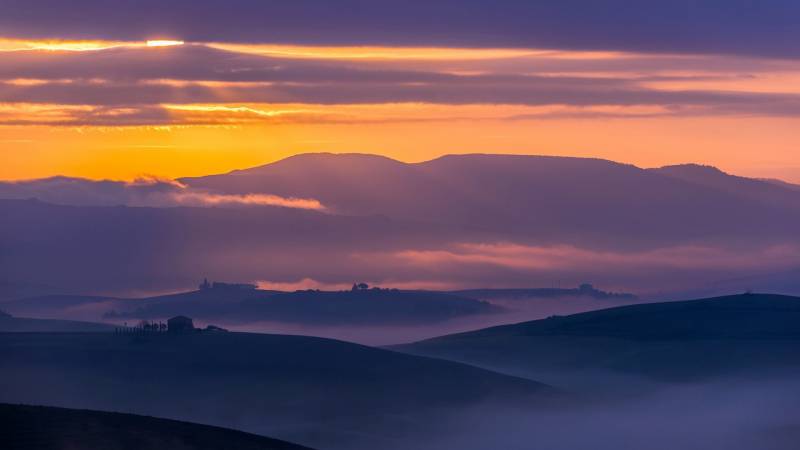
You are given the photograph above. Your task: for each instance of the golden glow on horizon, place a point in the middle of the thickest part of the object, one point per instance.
(15, 45)
(411, 53)
(768, 83)
(322, 52)
(267, 114)
(265, 111)
(129, 152)
(10, 45)
(163, 43)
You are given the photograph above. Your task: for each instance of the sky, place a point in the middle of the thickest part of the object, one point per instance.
(125, 89)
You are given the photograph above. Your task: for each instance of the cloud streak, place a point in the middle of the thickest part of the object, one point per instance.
(206, 199)
(201, 84)
(564, 257)
(146, 191)
(709, 27)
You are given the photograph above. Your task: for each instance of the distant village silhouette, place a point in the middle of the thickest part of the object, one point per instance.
(174, 325)
(182, 324)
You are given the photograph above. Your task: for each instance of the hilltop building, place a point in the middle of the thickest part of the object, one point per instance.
(205, 285)
(180, 324)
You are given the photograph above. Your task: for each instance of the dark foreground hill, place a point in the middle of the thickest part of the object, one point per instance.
(25, 427)
(743, 334)
(318, 392)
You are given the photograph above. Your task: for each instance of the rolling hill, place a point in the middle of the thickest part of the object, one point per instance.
(585, 290)
(10, 291)
(689, 340)
(373, 307)
(308, 390)
(9, 324)
(40, 427)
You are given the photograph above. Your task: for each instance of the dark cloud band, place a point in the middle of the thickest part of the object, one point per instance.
(763, 28)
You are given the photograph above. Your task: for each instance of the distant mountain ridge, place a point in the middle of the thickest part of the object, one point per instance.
(544, 196)
(755, 189)
(515, 192)
(448, 220)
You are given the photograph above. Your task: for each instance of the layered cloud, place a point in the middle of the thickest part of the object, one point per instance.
(141, 192)
(113, 83)
(713, 26)
(248, 82)
(572, 259)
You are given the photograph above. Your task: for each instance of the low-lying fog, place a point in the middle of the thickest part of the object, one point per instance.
(753, 414)
(732, 415)
(514, 310)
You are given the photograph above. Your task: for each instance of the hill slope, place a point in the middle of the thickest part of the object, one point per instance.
(10, 324)
(309, 390)
(371, 307)
(760, 190)
(367, 307)
(675, 340)
(40, 427)
(749, 316)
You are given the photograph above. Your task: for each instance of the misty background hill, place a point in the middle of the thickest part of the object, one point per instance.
(375, 307)
(9, 324)
(456, 222)
(367, 315)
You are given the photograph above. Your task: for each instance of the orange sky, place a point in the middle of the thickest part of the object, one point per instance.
(181, 135)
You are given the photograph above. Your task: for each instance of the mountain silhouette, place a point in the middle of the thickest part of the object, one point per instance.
(779, 194)
(383, 220)
(537, 194)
